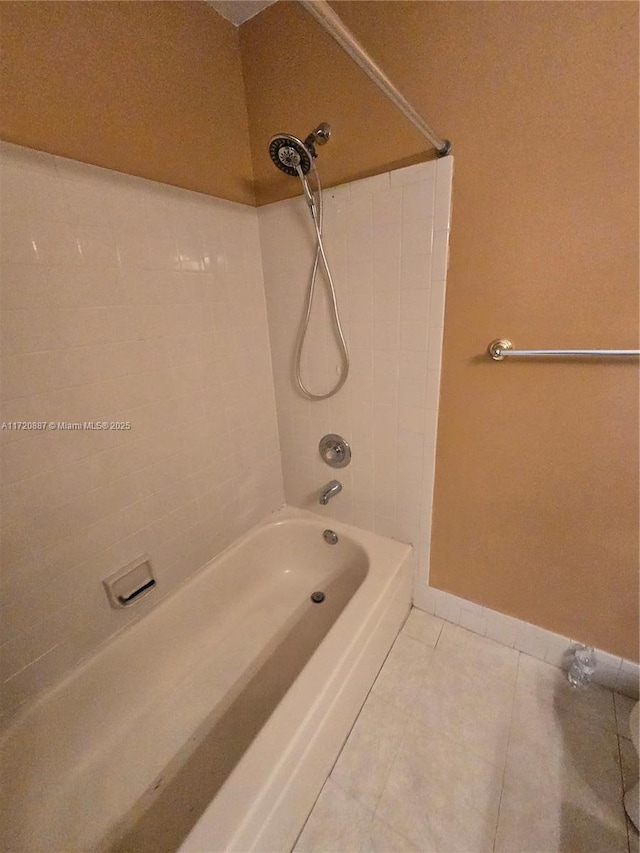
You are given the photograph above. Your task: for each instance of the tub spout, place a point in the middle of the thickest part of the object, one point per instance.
(329, 491)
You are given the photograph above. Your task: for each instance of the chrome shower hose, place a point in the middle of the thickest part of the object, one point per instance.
(316, 215)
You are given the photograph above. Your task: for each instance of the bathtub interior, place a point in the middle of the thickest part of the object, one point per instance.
(162, 818)
(136, 729)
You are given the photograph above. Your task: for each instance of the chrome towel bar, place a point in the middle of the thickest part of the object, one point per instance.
(503, 348)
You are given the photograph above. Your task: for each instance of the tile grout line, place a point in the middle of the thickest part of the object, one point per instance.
(626, 817)
(506, 758)
(391, 705)
(412, 716)
(628, 825)
(408, 718)
(344, 743)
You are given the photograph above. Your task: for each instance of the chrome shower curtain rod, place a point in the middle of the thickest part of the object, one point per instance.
(327, 18)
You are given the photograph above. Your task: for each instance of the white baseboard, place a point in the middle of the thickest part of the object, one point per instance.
(617, 673)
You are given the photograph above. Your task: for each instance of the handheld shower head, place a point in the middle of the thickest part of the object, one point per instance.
(290, 154)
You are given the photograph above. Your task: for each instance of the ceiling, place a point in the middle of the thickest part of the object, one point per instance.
(239, 11)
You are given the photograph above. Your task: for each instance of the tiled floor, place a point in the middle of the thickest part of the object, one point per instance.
(467, 745)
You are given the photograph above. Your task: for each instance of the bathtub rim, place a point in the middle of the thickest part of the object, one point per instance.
(274, 813)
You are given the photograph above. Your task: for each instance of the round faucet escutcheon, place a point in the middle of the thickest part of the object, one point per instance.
(334, 450)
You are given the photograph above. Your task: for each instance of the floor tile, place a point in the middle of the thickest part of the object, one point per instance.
(337, 824)
(403, 672)
(383, 839)
(461, 702)
(562, 786)
(422, 769)
(423, 626)
(594, 705)
(558, 822)
(485, 655)
(439, 795)
(557, 750)
(366, 757)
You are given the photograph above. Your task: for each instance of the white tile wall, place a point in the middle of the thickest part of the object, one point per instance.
(122, 300)
(386, 239)
(611, 671)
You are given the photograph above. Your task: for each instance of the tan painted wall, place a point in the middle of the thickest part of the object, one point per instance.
(536, 504)
(295, 77)
(150, 89)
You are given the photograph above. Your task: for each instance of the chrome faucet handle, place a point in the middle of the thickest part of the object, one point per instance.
(335, 450)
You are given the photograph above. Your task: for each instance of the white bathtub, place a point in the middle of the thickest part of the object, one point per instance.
(211, 724)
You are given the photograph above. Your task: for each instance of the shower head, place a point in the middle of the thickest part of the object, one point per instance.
(290, 153)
